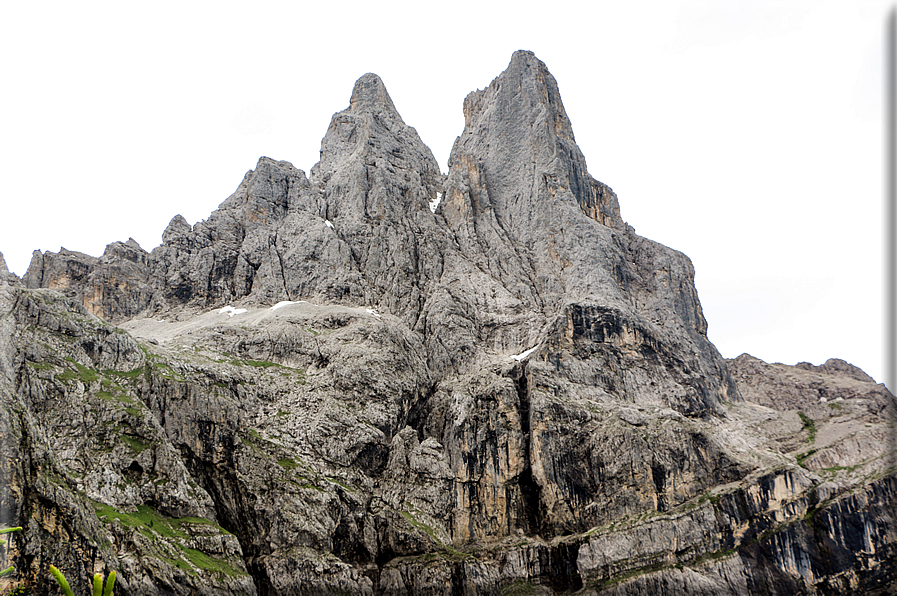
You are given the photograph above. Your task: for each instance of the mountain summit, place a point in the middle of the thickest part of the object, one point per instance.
(380, 378)
(518, 129)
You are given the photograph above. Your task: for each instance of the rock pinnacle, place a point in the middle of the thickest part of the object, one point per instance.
(369, 94)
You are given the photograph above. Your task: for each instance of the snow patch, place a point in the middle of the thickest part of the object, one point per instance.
(370, 311)
(231, 311)
(435, 202)
(522, 355)
(328, 223)
(283, 303)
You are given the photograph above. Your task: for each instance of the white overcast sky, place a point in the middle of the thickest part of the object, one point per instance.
(749, 134)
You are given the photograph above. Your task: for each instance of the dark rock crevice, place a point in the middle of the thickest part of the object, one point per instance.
(233, 514)
(532, 510)
(563, 574)
(283, 274)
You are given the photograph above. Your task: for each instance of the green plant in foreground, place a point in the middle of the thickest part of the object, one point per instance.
(97, 583)
(60, 579)
(11, 568)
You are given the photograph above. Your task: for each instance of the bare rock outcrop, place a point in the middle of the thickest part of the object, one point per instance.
(380, 379)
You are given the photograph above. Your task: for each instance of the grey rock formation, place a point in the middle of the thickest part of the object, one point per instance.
(835, 366)
(379, 379)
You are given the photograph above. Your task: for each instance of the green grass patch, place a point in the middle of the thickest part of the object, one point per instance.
(178, 522)
(428, 530)
(129, 374)
(345, 487)
(255, 441)
(308, 484)
(111, 386)
(431, 532)
(715, 556)
(288, 462)
(656, 567)
(135, 444)
(250, 444)
(153, 364)
(809, 426)
(66, 376)
(180, 564)
(262, 363)
(87, 375)
(633, 573)
(40, 365)
(121, 398)
(166, 372)
(802, 457)
(205, 562)
(265, 364)
(147, 521)
(78, 372)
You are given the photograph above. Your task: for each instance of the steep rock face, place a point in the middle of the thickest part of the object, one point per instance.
(80, 449)
(241, 250)
(518, 133)
(378, 179)
(477, 383)
(115, 286)
(524, 209)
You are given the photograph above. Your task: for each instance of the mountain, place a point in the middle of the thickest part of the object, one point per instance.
(381, 379)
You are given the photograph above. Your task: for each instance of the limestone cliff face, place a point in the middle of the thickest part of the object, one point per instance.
(379, 379)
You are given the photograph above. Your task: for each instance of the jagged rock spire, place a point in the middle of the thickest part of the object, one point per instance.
(518, 142)
(525, 84)
(370, 137)
(377, 179)
(369, 94)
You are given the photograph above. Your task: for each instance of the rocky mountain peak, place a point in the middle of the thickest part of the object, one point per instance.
(525, 86)
(365, 144)
(369, 94)
(836, 366)
(519, 150)
(176, 228)
(332, 385)
(6, 276)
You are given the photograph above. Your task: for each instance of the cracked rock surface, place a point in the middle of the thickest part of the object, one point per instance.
(382, 379)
